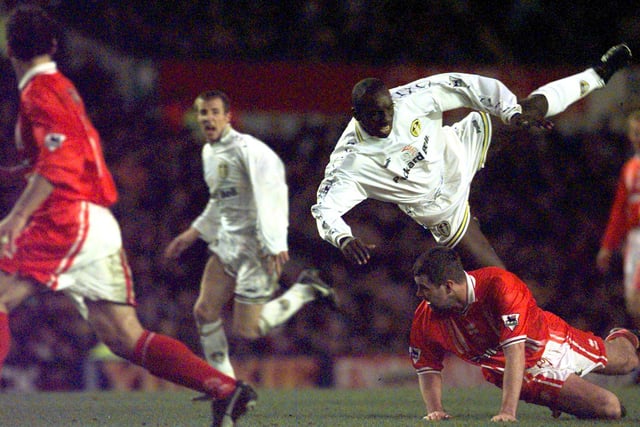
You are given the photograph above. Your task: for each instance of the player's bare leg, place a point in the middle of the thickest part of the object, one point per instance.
(13, 291)
(476, 249)
(216, 289)
(622, 352)
(117, 325)
(253, 321)
(584, 399)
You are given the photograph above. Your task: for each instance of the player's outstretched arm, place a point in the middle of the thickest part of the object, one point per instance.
(181, 243)
(355, 250)
(534, 110)
(431, 390)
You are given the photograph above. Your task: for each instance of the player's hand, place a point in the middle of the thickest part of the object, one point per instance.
(181, 243)
(275, 263)
(504, 418)
(527, 121)
(356, 251)
(436, 416)
(10, 228)
(603, 260)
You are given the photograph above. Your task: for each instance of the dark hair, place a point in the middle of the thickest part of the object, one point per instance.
(439, 264)
(31, 32)
(364, 88)
(212, 94)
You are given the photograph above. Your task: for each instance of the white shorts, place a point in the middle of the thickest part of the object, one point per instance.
(568, 351)
(100, 270)
(244, 259)
(632, 264)
(107, 279)
(449, 223)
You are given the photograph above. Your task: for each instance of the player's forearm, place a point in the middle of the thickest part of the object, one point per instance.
(513, 377)
(431, 390)
(38, 189)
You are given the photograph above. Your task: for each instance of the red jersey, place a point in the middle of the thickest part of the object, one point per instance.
(625, 211)
(501, 311)
(55, 136)
(59, 141)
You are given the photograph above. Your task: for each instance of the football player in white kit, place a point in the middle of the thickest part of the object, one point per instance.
(396, 150)
(245, 225)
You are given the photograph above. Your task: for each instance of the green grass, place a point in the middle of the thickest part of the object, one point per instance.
(280, 408)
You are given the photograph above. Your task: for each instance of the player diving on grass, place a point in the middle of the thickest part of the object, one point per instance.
(488, 317)
(396, 150)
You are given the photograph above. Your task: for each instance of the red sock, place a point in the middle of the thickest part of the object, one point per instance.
(171, 360)
(5, 338)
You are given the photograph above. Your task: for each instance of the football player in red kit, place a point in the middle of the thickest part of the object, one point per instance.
(623, 227)
(60, 233)
(488, 317)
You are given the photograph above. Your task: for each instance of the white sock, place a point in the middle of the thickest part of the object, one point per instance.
(562, 93)
(279, 310)
(215, 346)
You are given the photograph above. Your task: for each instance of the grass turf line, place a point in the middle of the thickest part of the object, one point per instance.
(281, 408)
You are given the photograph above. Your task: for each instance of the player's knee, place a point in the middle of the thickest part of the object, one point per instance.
(245, 331)
(204, 313)
(611, 407)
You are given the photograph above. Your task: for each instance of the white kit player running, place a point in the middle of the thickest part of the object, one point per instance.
(245, 224)
(396, 150)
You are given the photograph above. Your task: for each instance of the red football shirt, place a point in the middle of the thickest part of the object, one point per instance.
(54, 133)
(501, 311)
(625, 211)
(55, 136)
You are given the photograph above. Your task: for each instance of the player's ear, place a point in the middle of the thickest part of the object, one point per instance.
(450, 285)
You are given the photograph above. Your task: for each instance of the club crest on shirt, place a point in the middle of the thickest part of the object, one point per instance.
(223, 170)
(415, 354)
(415, 127)
(511, 320)
(53, 141)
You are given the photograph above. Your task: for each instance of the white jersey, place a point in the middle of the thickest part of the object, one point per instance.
(418, 166)
(248, 189)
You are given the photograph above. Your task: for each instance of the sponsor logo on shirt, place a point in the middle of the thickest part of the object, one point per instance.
(511, 320)
(411, 156)
(53, 141)
(415, 354)
(225, 193)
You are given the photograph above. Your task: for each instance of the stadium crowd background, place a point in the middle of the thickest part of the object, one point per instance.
(543, 198)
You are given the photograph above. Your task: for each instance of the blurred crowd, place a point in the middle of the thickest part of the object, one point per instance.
(542, 200)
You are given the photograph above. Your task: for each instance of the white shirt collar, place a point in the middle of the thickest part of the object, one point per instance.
(471, 291)
(44, 68)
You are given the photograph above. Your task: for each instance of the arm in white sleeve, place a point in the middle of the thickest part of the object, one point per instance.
(271, 193)
(457, 90)
(337, 195)
(207, 222)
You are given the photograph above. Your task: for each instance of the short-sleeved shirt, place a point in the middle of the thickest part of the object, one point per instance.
(501, 311)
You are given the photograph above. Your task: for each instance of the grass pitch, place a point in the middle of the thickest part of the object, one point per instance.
(280, 408)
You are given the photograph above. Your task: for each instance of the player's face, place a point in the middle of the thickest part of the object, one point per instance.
(633, 133)
(375, 114)
(440, 298)
(212, 118)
